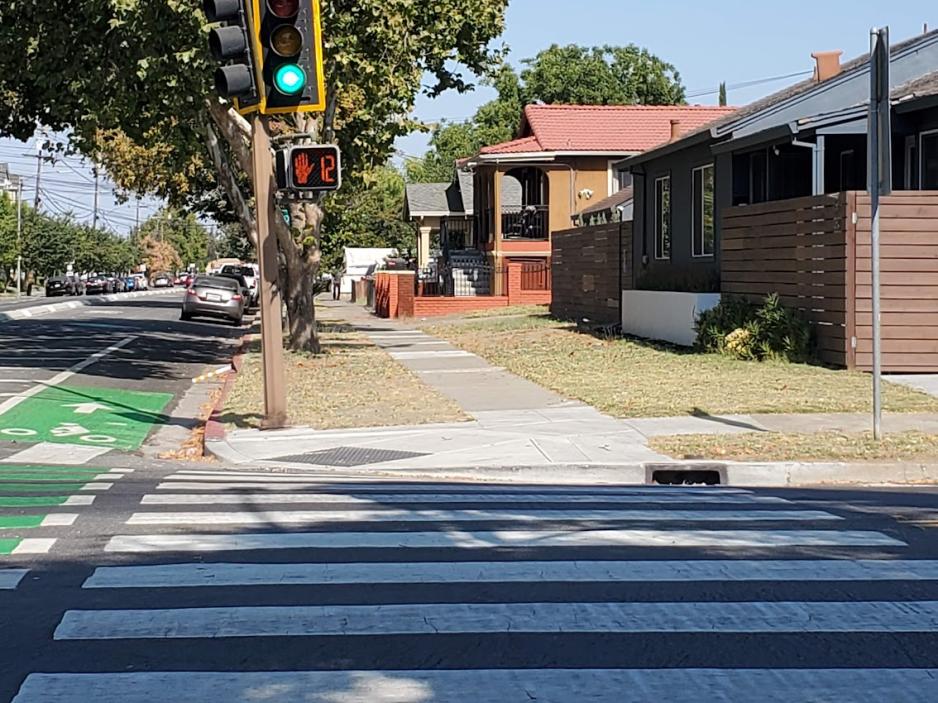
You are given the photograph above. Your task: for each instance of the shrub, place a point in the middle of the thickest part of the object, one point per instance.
(743, 330)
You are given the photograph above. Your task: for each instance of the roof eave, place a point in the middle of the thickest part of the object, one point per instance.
(666, 149)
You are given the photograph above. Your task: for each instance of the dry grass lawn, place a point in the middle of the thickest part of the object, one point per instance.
(825, 446)
(629, 378)
(352, 384)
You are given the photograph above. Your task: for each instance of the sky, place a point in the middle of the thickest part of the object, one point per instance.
(737, 41)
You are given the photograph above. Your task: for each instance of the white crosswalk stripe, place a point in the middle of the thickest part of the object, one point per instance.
(562, 563)
(491, 686)
(10, 578)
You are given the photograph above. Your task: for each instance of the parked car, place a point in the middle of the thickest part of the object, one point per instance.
(130, 284)
(245, 287)
(64, 285)
(186, 279)
(98, 285)
(214, 296)
(250, 275)
(116, 283)
(141, 281)
(163, 280)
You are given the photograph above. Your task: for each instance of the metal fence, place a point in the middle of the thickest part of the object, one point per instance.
(462, 281)
(536, 276)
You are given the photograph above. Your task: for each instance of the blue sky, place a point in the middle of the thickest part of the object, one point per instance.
(736, 41)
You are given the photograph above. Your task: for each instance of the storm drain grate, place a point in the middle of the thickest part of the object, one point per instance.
(349, 456)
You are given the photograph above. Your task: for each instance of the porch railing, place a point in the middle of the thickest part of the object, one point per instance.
(528, 222)
(456, 235)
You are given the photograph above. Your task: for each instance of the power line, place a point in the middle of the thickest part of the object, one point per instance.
(748, 84)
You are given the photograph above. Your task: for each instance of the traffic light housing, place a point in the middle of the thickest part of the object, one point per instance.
(309, 169)
(230, 44)
(288, 47)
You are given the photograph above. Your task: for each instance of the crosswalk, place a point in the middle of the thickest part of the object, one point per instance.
(38, 499)
(303, 588)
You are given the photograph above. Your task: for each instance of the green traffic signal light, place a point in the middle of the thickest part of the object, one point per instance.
(290, 79)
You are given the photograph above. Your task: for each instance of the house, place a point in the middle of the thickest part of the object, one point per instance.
(710, 202)
(563, 161)
(444, 214)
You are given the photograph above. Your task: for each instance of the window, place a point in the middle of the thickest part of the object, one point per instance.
(911, 163)
(663, 218)
(929, 164)
(704, 225)
(619, 178)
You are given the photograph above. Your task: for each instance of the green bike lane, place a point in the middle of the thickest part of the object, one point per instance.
(34, 497)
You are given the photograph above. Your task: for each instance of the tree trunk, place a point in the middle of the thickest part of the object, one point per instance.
(299, 243)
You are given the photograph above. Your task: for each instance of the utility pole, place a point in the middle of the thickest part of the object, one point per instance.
(275, 396)
(19, 236)
(137, 225)
(94, 221)
(38, 199)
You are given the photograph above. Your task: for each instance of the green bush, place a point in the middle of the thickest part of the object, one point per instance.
(746, 331)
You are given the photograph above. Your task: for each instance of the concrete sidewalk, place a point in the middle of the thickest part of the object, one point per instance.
(515, 423)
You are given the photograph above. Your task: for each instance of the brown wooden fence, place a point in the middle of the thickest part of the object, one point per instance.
(586, 275)
(796, 248)
(815, 253)
(908, 281)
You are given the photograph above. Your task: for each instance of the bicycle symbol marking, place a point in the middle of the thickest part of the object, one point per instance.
(66, 429)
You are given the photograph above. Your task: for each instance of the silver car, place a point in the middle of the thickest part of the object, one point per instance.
(213, 296)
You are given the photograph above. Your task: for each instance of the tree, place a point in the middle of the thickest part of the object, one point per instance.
(159, 256)
(182, 231)
(367, 215)
(131, 83)
(723, 102)
(606, 75)
(233, 243)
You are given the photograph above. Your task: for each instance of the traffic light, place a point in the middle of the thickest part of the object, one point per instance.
(311, 169)
(289, 50)
(230, 44)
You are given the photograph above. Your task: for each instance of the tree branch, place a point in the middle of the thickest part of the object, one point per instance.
(229, 183)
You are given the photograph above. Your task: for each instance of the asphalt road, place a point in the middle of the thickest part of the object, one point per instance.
(135, 357)
(187, 583)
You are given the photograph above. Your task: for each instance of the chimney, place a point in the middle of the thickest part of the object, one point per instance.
(675, 130)
(828, 65)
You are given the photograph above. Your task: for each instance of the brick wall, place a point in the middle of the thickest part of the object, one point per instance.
(394, 294)
(586, 279)
(440, 307)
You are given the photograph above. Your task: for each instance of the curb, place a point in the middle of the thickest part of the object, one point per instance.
(735, 474)
(214, 429)
(49, 308)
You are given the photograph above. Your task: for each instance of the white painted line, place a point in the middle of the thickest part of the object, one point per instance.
(490, 618)
(34, 546)
(59, 520)
(255, 498)
(490, 686)
(64, 376)
(110, 476)
(206, 483)
(418, 355)
(281, 518)
(97, 486)
(79, 500)
(19, 380)
(121, 471)
(723, 539)
(231, 575)
(10, 578)
(62, 454)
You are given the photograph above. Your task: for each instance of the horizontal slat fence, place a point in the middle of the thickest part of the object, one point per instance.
(799, 249)
(909, 281)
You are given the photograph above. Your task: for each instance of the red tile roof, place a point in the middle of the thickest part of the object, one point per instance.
(617, 129)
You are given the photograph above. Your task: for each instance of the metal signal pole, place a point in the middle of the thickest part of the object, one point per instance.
(880, 177)
(275, 396)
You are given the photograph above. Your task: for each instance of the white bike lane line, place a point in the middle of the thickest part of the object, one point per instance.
(63, 376)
